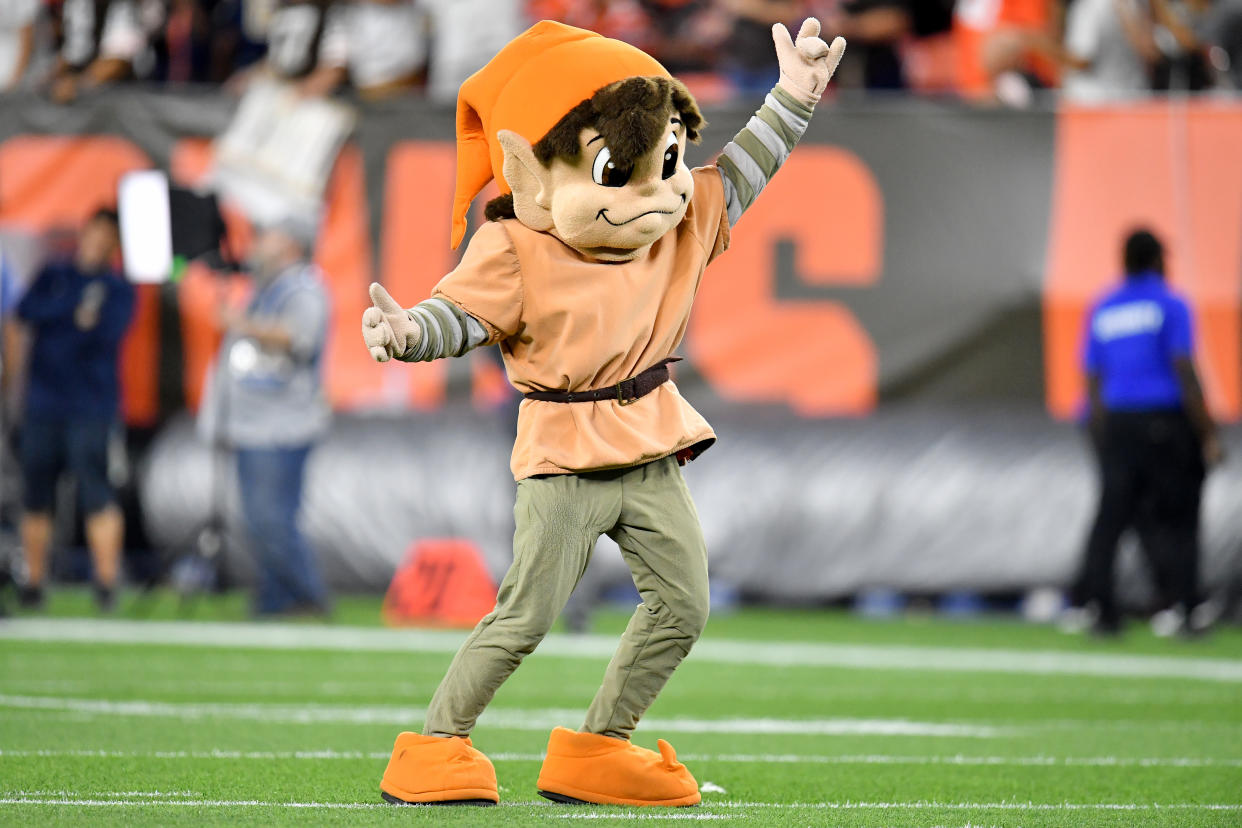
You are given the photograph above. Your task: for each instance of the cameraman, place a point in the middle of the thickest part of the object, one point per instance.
(265, 401)
(77, 312)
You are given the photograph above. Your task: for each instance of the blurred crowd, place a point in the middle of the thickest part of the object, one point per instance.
(983, 50)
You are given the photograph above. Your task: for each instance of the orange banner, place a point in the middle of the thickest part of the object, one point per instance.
(797, 313)
(1176, 168)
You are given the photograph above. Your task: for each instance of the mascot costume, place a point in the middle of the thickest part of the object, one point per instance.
(584, 275)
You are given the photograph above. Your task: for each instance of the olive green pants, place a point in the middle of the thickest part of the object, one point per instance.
(647, 510)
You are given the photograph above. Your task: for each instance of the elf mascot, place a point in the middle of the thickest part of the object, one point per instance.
(584, 275)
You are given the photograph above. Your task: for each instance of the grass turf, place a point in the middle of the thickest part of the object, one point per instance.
(139, 733)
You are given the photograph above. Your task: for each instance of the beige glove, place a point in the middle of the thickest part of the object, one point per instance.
(808, 65)
(387, 328)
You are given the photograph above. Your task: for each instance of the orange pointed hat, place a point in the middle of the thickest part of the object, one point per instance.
(533, 82)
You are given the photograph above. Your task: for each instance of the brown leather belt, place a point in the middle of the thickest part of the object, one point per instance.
(626, 391)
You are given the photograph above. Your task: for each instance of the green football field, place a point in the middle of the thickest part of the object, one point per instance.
(785, 718)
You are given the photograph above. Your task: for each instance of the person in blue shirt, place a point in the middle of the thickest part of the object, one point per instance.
(1152, 431)
(76, 312)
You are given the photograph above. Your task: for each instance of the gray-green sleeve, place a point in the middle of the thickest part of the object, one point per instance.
(447, 331)
(755, 154)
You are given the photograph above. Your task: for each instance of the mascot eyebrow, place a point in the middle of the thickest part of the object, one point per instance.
(631, 115)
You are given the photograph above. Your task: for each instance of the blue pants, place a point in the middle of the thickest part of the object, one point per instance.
(271, 492)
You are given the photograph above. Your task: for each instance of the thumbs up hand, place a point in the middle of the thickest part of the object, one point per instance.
(387, 328)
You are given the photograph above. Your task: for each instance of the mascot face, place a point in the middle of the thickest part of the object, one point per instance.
(586, 137)
(613, 211)
(610, 178)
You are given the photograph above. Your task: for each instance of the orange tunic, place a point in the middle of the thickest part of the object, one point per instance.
(566, 322)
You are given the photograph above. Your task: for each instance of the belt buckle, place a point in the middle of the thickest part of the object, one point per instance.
(621, 398)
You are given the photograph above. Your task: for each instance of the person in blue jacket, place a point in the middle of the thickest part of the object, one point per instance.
(1154, 436)
(77, 312)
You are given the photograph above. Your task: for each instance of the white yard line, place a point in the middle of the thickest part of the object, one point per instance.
(733, 758)
(152, 801)
(661, 816)
(265, 755)
(1067, 696)
(879, 656)
(507, 719)
(989, 806)
(522, 719)
(111, 794)
(968, 761)
(193, 803)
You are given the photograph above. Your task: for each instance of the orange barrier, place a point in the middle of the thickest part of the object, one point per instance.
(442, 583)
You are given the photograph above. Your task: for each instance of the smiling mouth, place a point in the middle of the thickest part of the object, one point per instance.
(603, 214)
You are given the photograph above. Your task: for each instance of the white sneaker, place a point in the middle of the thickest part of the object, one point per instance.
(1167, 623)
(1205, 615)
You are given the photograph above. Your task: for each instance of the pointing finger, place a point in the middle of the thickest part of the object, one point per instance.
(810, 28)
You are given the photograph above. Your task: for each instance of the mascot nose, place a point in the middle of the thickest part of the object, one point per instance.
(648, 186)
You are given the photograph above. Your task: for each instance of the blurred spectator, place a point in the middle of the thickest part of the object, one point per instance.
(266, 402)
(9, 340)
(104, 41)
(1152, 427)
(77, 312)
(620, 19)
(1111, 46)
(1221, 27)
(879, 31)
(294, 36)
(183, 45)
(1184, 61)
(8, 285)
(239, 31)
(1004, 47)
(17, 35)
(379, 45)
(465, 34)
(750, 56)
(687, 35)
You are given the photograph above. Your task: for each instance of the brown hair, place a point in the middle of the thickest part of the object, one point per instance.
(631, 114)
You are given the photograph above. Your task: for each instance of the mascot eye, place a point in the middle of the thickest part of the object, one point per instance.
(670, 158)
(608, 174)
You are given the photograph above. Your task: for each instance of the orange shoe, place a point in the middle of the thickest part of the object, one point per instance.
(588, 767)
(432, 770)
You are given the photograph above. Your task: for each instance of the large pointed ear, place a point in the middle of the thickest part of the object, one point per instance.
(530, 181)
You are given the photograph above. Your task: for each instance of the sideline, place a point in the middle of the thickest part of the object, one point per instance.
(277, 636)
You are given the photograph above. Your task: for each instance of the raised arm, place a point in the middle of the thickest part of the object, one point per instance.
(754, 155)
